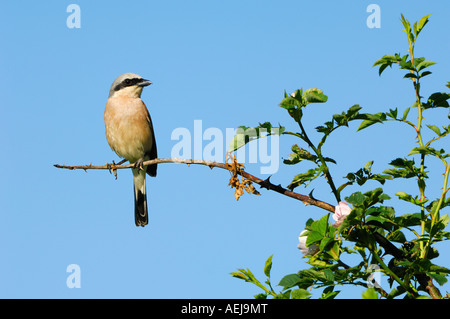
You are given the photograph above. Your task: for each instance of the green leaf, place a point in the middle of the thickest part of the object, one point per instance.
(283, 295)
(321, 226)
(241, 139)
(246, 134)
(403, 163)
(289, 281)
(363, 175)
(386, 58)
(351, 114)
(422, 22)
(408, 220)
(410, 75)
(415, 28)
(406, 65)
(438, 99)
(328, 275)
(439, 269)
(352, 219)
(299, 154)
(313, 237)
(386, 61)
(419, 150)
(318, 230)
(424, 64)
(407, 29)
(435, 129)
(239, 275)
(293, 101)
(399, 173)
(392, 113)
(300, 294)
(409, 198)
(268, 266)
(333, 250)
(370, 293)
(314, 96)
(417, 61)
(438, 227)
(428, 150)
(375, 196)
(328, 293)
(397, 236)
(248, 276)
(440, 279)
(324, 242)
(357, 199)
(327, 128)
(383, 67)
(444, 220)
(339, 120)
(405, 114)
(305, 178)
(425, 73)
(289, 103)
(370, 119)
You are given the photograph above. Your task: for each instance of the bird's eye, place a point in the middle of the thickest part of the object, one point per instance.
(127, 81)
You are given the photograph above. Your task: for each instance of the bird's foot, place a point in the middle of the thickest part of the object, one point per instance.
(112, 168)
(139, 164)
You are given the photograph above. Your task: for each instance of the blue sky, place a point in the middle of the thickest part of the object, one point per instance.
(224, 63)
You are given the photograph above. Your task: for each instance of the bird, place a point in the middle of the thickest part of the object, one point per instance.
(130, 134)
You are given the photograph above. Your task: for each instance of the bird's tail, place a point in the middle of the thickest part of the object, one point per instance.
(140, 198)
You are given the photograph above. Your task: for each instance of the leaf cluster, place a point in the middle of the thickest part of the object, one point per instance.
(371, 229)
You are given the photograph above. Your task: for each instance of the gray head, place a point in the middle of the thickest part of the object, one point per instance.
(128, 84)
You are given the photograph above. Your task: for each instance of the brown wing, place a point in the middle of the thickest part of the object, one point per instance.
(153, 153)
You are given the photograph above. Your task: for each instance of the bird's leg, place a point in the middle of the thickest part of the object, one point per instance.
(122, 161)
(139, 164)
(112, 167)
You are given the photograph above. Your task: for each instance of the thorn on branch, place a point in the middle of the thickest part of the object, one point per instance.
(236, 169)
(266, 183)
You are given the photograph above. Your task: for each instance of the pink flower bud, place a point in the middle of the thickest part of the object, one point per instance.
(340, 213)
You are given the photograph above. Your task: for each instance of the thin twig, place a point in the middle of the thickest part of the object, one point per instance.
(306, 199)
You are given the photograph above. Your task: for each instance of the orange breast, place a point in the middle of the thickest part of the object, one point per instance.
(127, 124)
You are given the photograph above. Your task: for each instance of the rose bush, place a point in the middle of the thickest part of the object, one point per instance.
(401, 246)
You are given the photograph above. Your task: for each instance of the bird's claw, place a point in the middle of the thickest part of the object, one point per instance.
(139, 164)
(112, 168)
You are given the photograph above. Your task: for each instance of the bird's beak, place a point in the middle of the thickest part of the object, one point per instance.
(145, 83)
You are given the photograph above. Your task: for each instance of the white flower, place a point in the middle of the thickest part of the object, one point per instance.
(341, 212)
(311, 250)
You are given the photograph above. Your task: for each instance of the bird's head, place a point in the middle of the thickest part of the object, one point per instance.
(128, 84)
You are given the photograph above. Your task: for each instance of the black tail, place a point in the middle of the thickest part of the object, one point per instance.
(140, 207)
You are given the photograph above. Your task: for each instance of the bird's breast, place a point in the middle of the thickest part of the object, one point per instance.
(127, 126)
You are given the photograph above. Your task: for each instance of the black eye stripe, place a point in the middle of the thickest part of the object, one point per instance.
(128, 82)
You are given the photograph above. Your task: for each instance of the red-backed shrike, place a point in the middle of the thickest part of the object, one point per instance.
(129, 132)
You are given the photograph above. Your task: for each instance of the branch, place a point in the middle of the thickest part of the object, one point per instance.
(424, 280)
(306, 199)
